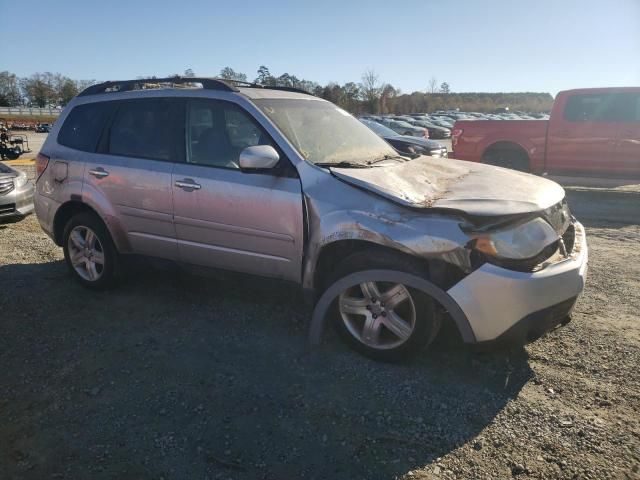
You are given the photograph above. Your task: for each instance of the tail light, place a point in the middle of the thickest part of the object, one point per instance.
(456, 133)
(41, 164)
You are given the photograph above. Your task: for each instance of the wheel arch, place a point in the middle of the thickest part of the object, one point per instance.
(332, 253)
(507, 146)
(73, 207)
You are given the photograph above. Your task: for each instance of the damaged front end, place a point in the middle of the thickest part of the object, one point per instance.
(458, 213)
(474, 239)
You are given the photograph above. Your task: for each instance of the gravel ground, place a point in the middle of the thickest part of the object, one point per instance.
(176, 376)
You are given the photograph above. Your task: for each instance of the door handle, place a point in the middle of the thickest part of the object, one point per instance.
(99, 172)
(188, 184)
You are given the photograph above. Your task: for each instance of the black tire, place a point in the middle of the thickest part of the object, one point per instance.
(109, 272)
(428, 321)
(513, 159)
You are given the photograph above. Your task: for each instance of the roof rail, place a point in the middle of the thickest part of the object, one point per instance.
(240, 83)
(126, 85)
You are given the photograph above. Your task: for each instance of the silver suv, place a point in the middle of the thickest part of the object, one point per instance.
(278, 183)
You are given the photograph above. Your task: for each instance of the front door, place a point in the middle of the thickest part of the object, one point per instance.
(227, 218)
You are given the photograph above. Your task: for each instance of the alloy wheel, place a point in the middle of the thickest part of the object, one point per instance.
(380, 315)
(86, 253)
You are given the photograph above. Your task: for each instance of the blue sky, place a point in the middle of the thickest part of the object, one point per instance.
(490, 45)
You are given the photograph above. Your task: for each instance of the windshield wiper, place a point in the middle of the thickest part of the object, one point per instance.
(342, 164)
(386, 157)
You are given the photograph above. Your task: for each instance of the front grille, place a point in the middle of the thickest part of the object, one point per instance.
(569, 239)
(7, 209)
(6, 185)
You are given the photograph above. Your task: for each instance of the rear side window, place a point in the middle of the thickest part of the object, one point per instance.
(145, 129)
(604, 107)
(82, 128)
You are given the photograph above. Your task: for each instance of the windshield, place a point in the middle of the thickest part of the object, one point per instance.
(324, 133)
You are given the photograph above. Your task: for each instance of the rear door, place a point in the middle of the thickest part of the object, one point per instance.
(130, 178)
(582, 139)
(227, 218)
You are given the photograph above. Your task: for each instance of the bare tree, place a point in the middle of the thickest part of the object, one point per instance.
(39, 88)
(229, 73)
(371, 89)
(433, 85)
(388, 91)
(10, 95)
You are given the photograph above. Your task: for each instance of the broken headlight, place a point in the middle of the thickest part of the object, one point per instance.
(521, 242)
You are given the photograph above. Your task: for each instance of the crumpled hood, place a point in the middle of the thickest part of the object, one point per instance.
(473, 188)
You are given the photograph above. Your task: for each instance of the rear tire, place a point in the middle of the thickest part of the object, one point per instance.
(90, 252)
(368, 325)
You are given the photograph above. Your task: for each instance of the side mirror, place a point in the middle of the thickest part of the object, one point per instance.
(259, 157)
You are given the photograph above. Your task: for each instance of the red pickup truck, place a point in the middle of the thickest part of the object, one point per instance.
(590, 132)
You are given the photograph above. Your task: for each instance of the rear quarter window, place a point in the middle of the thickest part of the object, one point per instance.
(84, 124)
(602, 107)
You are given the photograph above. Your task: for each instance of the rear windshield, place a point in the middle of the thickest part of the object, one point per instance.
(82, 128)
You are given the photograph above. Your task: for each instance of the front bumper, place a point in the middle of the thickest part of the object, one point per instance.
(17, 204)
(498, 302)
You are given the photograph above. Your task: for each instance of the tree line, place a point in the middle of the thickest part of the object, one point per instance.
(369, 95)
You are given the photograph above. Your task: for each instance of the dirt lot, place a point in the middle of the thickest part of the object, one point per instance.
(178, 377)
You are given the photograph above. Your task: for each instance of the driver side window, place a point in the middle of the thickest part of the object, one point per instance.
(218, 131)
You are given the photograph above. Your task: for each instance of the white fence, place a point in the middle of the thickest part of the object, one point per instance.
(29, 111)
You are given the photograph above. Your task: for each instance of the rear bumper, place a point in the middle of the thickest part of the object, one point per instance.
(502, 304)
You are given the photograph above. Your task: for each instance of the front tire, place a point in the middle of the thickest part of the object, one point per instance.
(89, 251)
(382, 320)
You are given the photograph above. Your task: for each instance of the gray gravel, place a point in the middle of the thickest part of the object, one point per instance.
(176, 376)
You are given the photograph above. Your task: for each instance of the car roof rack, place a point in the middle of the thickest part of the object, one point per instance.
(138, 84)
(240, 83)
(208, 83)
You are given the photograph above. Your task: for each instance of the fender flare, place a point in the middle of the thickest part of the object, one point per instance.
(319, 317)
(516, 143)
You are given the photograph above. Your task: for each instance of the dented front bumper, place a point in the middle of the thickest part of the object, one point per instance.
(497, 301)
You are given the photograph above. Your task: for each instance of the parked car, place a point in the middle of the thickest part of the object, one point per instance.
(435, 131)
(310, 196)
(408, 144)
(593, 132)
(439, 121)
(16, 195)
(404, 128)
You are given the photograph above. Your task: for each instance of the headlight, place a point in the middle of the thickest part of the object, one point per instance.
(518, 243)
(21, 180)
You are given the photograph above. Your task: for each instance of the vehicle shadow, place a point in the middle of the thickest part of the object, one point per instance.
(184, 376)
